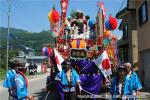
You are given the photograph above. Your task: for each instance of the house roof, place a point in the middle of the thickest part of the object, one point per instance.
(124, 11)
(122, 42)
(27, 48)
(121, 13)
(37, 57)
(120, 25)
(23, 47)
(20, 59)
(131, 4)
(2, 47)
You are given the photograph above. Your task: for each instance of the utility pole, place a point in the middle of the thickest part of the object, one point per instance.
(8, 32)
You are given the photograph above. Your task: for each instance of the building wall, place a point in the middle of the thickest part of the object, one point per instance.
(132, 36)
(130, 21)
(144, 45)
(145, 68)
(38, 62)
(144, 30)
(134, 46)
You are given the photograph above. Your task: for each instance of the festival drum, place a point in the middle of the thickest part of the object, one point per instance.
(78, 43)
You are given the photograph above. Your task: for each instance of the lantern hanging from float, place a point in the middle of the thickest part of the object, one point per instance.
(45, 51)
(107, 25)
(113, 22)
(53, 16)
(91, 23)
(107, 34)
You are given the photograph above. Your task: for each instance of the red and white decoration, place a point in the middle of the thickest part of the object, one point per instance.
(59, 59)
(101, 4)
(64, 6)
(103, 64)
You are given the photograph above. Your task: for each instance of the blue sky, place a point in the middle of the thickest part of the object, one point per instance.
(31, 15)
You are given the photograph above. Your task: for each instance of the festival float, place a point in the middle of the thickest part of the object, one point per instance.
(90, 45)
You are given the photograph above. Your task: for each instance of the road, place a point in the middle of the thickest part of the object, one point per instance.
(37, 89)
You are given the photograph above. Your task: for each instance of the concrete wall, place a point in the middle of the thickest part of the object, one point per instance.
(144, 46)
(134, 46)
(145, 68)
(130, 19)
(144, 30)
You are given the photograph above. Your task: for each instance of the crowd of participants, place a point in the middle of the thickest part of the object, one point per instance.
(124, 82)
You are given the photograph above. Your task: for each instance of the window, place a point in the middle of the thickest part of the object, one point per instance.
(143, 13)
(125, 31)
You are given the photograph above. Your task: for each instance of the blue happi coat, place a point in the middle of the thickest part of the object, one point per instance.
(21, 87)
(132, 84)
(64, 81)
(9, 82)
(9, 79)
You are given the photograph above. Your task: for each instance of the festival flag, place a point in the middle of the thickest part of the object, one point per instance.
(103, 64)
(59, 59)
(101, 4)
(64, 6)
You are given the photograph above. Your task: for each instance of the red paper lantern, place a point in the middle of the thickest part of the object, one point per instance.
(113, 22)
(54, 16)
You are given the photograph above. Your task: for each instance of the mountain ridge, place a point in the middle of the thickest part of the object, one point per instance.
(20, 36)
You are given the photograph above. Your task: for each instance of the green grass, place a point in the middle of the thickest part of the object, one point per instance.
(2, 73)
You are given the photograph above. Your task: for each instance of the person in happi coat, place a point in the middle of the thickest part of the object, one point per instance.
(9, 79)
(132, 82)
(21, 84)
(118, 84)
(69, 79)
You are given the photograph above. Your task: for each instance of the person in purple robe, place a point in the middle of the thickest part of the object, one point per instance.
(90, 75)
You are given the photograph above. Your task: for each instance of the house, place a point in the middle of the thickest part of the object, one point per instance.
(38, 60)
(27, 56)
(128, 44)
(24, 51)
(143, 26)
(136, 41)
(22, 60)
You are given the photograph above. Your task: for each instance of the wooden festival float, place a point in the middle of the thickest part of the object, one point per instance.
(77, 36)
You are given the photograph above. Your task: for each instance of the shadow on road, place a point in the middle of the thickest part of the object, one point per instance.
(42, 94)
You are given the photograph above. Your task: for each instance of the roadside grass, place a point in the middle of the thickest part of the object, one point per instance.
(2, 73)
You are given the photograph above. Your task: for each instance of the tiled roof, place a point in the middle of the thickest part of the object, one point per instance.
(37, 57)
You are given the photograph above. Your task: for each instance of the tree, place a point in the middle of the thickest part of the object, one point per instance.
(73, 14)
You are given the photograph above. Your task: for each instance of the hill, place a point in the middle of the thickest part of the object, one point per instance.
(32, 40)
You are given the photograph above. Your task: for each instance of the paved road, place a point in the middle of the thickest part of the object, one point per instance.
(37, 88)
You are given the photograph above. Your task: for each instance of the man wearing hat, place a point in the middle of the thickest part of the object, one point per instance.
(118, 83)
(16, 82)
(69, 79)
(9, 79)
(132, 83)
(21, 84)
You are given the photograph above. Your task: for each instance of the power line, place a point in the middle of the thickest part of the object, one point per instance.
(122, 5)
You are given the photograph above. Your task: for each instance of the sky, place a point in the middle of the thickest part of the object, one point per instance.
(31, 15)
